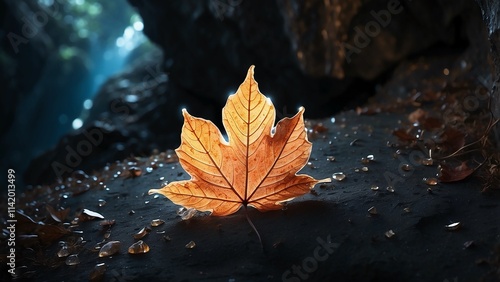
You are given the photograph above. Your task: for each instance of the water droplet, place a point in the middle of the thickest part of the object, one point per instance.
(98, 273)
(162, 178)
(453, 226)
(468, 244)
(374, 188)
(156, 196)
(157, 222)
(167, 238)
(138, 247)
(190, 245)
(427, 162)
(109, 249)
(149, 169)
(430, 181)
(390, 189)
(356, 170)
(99, 245)
(339, 176)
(407, 209)
(131, 212)
(330, 158)
(370, 157)
(406, 167)
(389, 234)
(365, 169)
(372, 211)
(101, 202)
(72, 260)
(135, 171)
(63, 252)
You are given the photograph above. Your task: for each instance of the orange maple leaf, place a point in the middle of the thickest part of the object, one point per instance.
(256, 167)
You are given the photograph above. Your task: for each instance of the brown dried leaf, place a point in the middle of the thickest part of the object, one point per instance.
(403, 135)
(58, 216)
(50, 233)
(417, 115)
(457, 173)
(25, 224)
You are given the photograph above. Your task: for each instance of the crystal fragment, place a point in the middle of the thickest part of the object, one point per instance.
(339, 176)
(157, 222)
(190, 245)
(453, 226)
(330, 158)
(407, 209)
(141, 233)
(63, 252)
(98, 273)
(186, 214)
(92, 213)
(372, 211)
(110, 248)
(430, 181)
(427, 162)
(138, 247)
(389, 234)
(72, 260)
(374, 188)
(365, 169)
(390, 189)
(107, 234)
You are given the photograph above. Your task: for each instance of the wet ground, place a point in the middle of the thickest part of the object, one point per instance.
(340, 231)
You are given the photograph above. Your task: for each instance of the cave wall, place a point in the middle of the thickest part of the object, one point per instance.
(322, 55)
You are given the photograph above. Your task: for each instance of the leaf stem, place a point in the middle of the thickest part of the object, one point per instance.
(253, 227)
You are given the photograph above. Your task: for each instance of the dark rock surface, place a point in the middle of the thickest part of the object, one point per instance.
(491, 16)
(333, 217)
